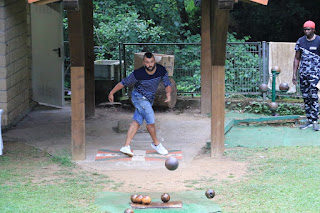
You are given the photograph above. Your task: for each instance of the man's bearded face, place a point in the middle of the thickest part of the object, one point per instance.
(149, 64)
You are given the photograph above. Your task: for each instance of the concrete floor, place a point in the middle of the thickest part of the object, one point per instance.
(49, 129)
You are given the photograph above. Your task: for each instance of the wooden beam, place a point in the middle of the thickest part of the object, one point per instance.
(78, 114)
(32, 1)
(264, 2)
(80, 41)
(76, 38)
(89, 57)
(205, 58)
(219, 28)
(71, 4)
(270, 119)
(76, 42)
(42, 2)
(226, 4)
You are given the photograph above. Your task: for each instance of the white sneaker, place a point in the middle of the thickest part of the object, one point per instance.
(160, 149)
(126, 150)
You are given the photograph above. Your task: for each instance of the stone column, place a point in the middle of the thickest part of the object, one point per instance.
(14, 52)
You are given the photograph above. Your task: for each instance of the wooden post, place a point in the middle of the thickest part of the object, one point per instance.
(218, 31)
(87, 18)
(205, 58)
(76, 41)
(71, 4)
(78, 113)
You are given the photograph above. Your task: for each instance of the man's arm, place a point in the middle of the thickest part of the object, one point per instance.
(118, 87)
(167, 84)
(168, 93)
(129, 80)
(296, 62)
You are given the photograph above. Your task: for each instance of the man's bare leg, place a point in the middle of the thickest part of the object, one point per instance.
(131, 132)
(156, 144)
(152, 131)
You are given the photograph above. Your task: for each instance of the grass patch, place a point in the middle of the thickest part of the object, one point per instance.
(244, 154)
(282, 179)
(33, 181)
(63, 158)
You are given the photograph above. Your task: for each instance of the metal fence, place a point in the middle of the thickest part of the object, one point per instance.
(245, 69)
(246, 64)
(187, 62)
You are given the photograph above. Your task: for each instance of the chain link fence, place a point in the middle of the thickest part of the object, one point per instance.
(246, 68)
(186, 67)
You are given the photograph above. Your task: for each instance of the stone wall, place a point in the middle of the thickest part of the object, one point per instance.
(15, 96)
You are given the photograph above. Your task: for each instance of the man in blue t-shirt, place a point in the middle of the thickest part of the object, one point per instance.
(146, 81)
(307, 59)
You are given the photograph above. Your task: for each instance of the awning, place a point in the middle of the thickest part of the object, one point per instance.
(41, 2)
(67, 4)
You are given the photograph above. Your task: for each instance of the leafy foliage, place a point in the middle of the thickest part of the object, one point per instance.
(290, 109)
(281, 20)
(179, 21)
(262, 108)
(115, 22)
(137, 21)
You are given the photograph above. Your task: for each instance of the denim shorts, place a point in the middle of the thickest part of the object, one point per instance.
(143, 107)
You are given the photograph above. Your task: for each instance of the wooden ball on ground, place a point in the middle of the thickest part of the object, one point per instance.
(263, 88)
(273, 106)
(284, 87)
(210, 193)
(128, 211)
(165, 197)
(139, 199)
(146, 200)
(133, 198)
(171, 163)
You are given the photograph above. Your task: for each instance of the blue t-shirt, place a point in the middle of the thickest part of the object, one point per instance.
(147, 84)
(310, 54)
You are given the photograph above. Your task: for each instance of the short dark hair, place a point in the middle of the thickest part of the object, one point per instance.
(148, 55)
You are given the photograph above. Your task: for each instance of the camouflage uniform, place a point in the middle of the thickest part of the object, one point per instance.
(309, 72)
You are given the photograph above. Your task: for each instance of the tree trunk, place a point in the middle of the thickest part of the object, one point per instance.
(184, 18)
(160, 95)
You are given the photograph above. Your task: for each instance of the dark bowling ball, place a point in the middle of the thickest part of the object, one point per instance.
(146, 200)
(276, 68)
(139, 199)
(165, 197)
(283, 87)
(263, 88)
(128, 211)
(133, 198)
(171, 163)
(210, 193)
(273, 106)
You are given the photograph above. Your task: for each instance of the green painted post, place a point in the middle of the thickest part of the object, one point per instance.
(274, 75)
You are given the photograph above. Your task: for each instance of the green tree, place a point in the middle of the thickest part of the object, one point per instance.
(143, 21)
(115, 22)
(280, 20)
